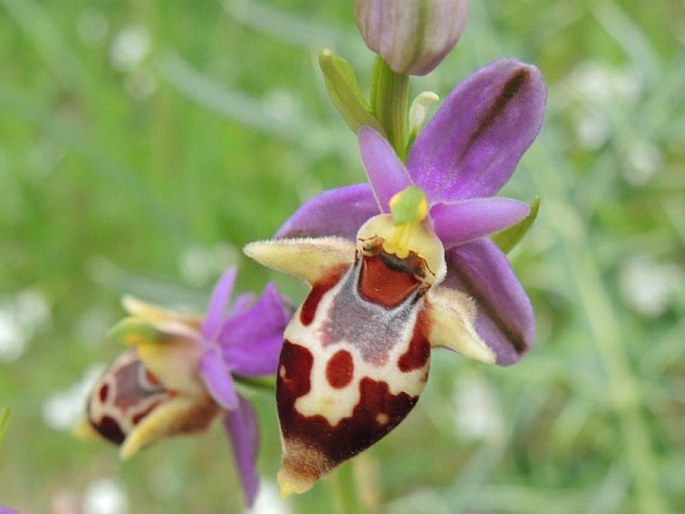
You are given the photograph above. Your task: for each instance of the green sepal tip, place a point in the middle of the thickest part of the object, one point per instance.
(345, 93)
(133, 332)
(508, 238)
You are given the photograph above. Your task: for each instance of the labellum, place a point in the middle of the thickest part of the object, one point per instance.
(356, 353)
(130, 407)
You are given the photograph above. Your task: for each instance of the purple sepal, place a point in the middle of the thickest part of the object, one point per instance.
(385, 171)
(251, 340)
(216, 309)
(472, 145)
(505, 318)
(243, 432)
(338, 212)
(462, 221)
(217, 379)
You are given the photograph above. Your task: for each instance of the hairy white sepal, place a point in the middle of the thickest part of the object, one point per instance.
(452, 316)
(307, 258)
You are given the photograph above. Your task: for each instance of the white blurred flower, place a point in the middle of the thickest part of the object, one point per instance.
(269, 501)
(281, 104)
(130, 46)
(21, 316)
(105, 496)
(644, 161)
(476, 414)
(63, 409)
(592, 131)
(649, 286)
(596, 89)
(199, 265)
(598, 83)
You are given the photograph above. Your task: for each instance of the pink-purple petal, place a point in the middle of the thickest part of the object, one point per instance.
(385, 171)
(243, 433)
(338, 212)
(473, 143)
(505, 318)
(217, 304)
(217, 379)
(243, 303)
(251, 342)
(462, 221)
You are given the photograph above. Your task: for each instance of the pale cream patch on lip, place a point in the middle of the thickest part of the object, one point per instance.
(336, 404)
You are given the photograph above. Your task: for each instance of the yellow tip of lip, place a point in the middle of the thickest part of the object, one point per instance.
(84, 430)
(292, 484)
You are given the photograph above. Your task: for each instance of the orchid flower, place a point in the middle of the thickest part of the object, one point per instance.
(399, 266)
(464, 155)
(179, 377)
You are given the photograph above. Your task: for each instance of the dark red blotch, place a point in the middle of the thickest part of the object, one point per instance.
(418, 353)
(108, 428)
(340, 369)
(311, 303)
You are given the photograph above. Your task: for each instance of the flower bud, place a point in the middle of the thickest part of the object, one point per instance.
(412, 36)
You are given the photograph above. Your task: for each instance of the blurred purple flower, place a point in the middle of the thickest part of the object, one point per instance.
(466, 153)
(412, 36)
(180, 376)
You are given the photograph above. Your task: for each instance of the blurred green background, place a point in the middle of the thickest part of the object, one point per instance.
(142, 143)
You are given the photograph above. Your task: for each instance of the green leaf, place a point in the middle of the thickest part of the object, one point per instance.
(343, 89)
(132, 332)
(4, 422)
(508, 238)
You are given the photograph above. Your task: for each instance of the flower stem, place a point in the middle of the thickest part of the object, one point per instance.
(4, 422)
(346, 498)
(390, 104)
(262, 383)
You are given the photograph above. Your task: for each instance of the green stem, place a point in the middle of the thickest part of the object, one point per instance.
(623, 385)
(346, 498)
(4, 422)
(390, 104)
(261, 383)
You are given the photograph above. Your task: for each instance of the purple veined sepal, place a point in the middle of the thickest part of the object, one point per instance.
(472, 145)
(505, 317)
(243, 433)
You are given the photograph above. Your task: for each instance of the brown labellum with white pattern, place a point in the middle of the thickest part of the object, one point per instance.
(356, 353)
(130, 407)
(122, 397)
(353, 363)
